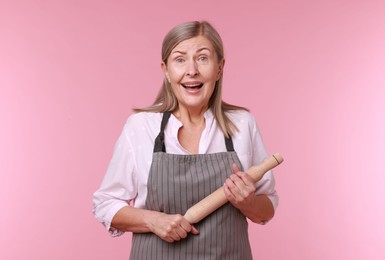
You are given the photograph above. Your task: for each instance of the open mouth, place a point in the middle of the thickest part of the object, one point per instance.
(193, 86)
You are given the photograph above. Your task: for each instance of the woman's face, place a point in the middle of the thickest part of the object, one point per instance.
(192, 69)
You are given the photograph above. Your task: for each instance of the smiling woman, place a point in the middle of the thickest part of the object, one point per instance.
(213, 46)
(203, 136)
(193, 69)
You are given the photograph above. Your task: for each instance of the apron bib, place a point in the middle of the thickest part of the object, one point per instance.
(177, 182)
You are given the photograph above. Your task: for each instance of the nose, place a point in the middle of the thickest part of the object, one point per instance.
(192, 68)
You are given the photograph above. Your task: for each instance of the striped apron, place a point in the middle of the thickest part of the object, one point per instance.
(177, 182)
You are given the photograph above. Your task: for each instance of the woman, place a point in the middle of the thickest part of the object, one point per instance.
(177, 151)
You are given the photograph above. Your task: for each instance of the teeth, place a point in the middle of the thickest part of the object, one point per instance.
(192, 85)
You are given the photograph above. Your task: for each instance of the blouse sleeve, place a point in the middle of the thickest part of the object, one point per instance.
(119, 185)
(267, 184)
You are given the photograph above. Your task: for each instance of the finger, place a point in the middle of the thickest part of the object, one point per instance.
(235, 168)
(170, 237)
(228, 192)
(244, 177)
(188, 227)
(230, 182)
(236, 186)
(185, 225)
(194, 230)
(244, 182)
(181, 233)
(237, 181)
(248, 182)
(172, 232)
(168, 240)
(238, 189)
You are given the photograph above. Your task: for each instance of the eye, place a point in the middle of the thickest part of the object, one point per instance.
(179, 60)
(202, 58)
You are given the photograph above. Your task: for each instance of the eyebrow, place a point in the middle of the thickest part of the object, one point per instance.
(183, 52)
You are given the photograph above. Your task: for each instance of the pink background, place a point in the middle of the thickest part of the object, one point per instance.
(312, 72)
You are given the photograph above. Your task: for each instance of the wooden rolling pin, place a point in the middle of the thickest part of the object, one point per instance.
(218, 198)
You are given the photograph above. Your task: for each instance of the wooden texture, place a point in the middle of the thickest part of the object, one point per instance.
(218, 198)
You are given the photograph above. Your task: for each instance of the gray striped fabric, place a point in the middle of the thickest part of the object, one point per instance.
(176, 182)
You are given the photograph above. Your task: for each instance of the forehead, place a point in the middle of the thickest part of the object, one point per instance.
(194, 44)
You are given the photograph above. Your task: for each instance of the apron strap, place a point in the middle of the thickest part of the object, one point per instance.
(159, 141)
(229, 144)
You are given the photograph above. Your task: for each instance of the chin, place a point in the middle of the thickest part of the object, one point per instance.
(194, 105)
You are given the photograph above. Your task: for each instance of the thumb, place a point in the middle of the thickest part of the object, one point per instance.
(194, 230)
(235, 168)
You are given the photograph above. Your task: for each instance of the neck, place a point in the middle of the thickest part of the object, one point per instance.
(190, 116)
(193, 124)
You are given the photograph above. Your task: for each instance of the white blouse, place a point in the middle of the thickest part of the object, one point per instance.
(125, 181)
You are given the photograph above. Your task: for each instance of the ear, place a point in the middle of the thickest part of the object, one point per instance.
(165, 71)
(221, 65)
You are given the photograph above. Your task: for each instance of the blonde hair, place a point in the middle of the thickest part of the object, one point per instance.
(166, 100)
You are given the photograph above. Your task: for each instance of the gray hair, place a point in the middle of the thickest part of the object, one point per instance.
(166, 100)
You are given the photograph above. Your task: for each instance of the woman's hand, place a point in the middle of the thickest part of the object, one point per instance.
(239, 188)
(171, 228)
(240, 191)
